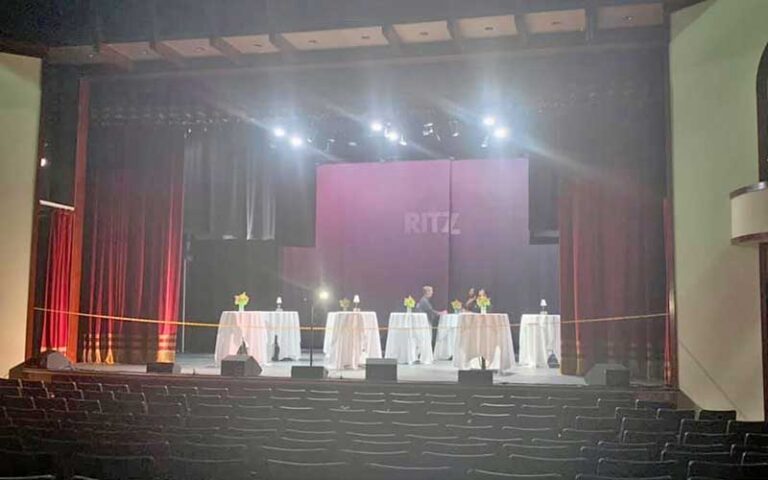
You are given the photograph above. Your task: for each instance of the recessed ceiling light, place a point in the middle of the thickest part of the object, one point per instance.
(366, 37)
(312, 41)
(199, 49)
(424, 34)
(91, 55)
(628, 18)
(145, 52)
(489, 28)
(556, 23)
(258, 45)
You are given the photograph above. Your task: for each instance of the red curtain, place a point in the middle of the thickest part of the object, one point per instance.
(133, 234)
(57, 277)
(612, 264)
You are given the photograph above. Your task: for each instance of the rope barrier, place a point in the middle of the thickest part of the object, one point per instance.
(217, 326)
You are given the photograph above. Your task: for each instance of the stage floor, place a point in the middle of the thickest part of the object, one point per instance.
(440, 371)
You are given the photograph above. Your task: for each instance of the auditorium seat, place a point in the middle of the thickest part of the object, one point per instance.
(11, 442)
(182, 390)
(452, 447)
(717, 415)
(633, 468)
(97, 395)
(68, 394)
(154, 390)
(593, 436)
(15, 463)
(694, 438)
(198, 469)
(715, 448)
(543, 451)
(61, 386)
(654, 405)
(603, 477)
(596, 423)
(206, 410)
(756, 440)
(134, 397)
(18, 402)
(89, 387)
(209, 451)
(596, 453)
(465, 431)
(649, 425)
(729, 471)
(702, 426)
(395, 445)
(538, 421)
(631, 412)
(283, 470)
(529, 433)
(50, 403)
(376, 471)
(478, 474)
(459, 461)
(567, 467)
(684, 458)
(540, 410)
(675, 415)
(569, 414)
(608, 406)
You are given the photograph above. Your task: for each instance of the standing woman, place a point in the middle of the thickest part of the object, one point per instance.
(469, 303)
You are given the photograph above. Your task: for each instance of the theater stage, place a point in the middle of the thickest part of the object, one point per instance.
(441, 371)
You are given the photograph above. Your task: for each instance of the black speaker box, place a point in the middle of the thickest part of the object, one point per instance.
(475, 377)
(608, 375)
(240, 366)
(381, 370)
(163, 367)
(308, 373)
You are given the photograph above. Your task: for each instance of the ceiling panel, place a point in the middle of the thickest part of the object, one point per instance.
(252, 44)
(627, 16)
(137, 51)
(193, 47)
(424, 32)
(343, 38)
(487, 27)
(556, 21)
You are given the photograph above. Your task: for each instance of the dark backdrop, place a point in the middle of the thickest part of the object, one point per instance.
(219, 269)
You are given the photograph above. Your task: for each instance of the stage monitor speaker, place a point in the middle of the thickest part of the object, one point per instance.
(48, 360)
(240, 366)
(381, 370)
(608, 375)
(475, 377)
(305, 372)
(163, 367)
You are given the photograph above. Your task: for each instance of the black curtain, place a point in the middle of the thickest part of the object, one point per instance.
(219, 269)
(229, 178)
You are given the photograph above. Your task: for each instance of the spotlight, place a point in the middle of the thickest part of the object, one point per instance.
(376, 126)
(501, 133)
(323, 294)
(43, 162)
(392, 136)
(296, 141)
(453, 127)
(279, 132)
(402, 142)
(489, 121)
(428, 129)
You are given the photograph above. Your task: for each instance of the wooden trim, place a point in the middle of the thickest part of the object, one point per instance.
(81, 159)
(762, 168)
(113, 57)
(23, 48)
(168, 53)
(672, 274)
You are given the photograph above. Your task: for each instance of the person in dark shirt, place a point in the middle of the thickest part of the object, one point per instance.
(469, 303)
(425, 306)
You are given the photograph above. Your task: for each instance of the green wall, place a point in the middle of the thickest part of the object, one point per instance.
(19, 118)
(715, 50)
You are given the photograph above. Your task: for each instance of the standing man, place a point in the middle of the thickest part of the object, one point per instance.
(425, 306)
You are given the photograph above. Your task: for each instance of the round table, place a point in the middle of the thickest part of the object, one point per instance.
(409, 338)
(238, 327)
(484, 335)
(284, 327)
(539, 336)
(446, 336)
(351, 338)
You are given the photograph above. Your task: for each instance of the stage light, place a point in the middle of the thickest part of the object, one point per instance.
(377, 126)
(392, 136)
(323, 294)
(428, 129)
(453, 127)
(489, 121)
(402, 142)
(43, 162)
(501, 133)
(279, 132)
(296, 141)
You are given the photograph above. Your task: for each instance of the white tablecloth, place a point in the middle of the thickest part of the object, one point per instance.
(539, 336)
(484, 335)
(350, 338)
(238, 327)
(285, 326)
(446, 336)
(409, 338)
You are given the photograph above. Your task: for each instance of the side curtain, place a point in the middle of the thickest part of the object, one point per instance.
(57, 283)
(133, 241)
(612, 259)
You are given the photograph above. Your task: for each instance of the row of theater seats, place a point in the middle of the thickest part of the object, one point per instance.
(111, 431)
